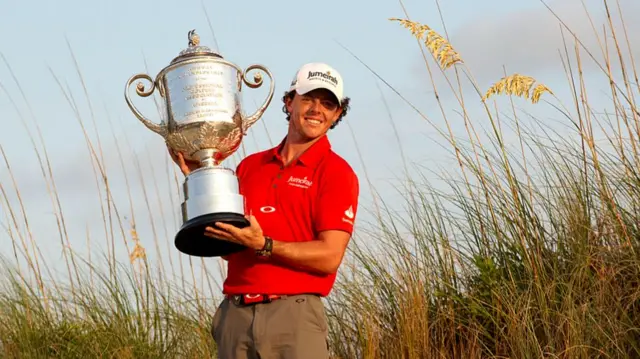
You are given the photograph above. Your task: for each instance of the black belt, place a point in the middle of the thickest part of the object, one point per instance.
(248, 299)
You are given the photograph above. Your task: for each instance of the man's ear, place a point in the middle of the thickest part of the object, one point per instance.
(287, 101)
(338, 114)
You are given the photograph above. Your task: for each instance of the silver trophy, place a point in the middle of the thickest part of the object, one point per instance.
(205, 121)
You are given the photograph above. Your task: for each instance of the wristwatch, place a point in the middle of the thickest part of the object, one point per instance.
(265, 252)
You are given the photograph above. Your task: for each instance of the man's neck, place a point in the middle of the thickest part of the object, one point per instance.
(293, 148)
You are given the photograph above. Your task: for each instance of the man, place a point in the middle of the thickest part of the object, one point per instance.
(302, 200)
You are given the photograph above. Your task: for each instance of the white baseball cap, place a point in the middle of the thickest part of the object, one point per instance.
(318, 75)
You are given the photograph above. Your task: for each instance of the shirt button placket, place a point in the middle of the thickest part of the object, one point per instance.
(274, 185)
(280, 174)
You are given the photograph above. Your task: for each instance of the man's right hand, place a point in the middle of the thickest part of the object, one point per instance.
(185, 166)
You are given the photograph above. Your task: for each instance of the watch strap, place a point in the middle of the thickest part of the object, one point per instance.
(266, 250)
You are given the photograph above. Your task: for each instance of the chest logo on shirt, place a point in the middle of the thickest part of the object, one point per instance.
(299, 182)
(267, 209)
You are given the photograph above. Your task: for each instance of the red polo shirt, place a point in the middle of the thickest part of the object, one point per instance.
(317, 192)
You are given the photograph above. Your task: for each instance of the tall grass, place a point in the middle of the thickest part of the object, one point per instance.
(530, 250)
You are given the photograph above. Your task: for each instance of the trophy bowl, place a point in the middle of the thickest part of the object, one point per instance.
(205, 121)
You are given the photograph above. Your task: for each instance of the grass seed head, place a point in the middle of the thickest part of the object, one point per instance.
(439, 47)
(517, 85)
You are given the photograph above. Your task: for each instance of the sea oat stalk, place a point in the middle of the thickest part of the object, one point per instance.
(518, 85)
(439, 47)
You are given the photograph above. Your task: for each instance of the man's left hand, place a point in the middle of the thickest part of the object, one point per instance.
(251, 237)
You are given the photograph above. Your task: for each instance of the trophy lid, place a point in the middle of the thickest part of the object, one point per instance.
(195, 49)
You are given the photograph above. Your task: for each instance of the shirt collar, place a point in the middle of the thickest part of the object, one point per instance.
(310, 158)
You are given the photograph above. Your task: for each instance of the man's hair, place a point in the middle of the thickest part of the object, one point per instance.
(291, 94)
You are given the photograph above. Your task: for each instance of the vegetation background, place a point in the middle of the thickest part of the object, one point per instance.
(524, 244)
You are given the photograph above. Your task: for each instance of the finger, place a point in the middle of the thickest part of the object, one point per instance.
(213, 229)
(172, 154)
(183, 164)
(180, 158)
(220, 238)
(214, 233)
(253, 222)
(218, 232)
(219, 235)
(233, 230)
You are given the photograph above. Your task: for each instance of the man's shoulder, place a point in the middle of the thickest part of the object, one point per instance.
(254, 158)
(336, 165)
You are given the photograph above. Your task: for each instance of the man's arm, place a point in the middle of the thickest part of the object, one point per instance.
(334, 218)
(321, 256)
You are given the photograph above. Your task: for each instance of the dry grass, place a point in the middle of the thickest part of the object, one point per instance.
(439, 47)
(508, 261)
(518, 85)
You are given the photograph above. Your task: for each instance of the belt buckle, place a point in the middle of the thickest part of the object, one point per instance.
(253, 298)
(250, 299)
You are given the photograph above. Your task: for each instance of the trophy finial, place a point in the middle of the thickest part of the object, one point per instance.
(194, 49)
(194, 39)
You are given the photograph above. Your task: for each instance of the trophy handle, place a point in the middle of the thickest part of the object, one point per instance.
(161, 130)
(257, 78)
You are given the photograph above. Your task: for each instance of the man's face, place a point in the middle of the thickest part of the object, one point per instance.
(313, 113)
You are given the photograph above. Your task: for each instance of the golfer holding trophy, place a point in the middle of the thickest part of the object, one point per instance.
(283, 258)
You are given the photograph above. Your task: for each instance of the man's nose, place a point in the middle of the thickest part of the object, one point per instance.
(315, 105)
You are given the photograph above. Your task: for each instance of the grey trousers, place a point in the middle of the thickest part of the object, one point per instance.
(293, 327)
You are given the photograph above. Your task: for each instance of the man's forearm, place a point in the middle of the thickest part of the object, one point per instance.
(315, 256)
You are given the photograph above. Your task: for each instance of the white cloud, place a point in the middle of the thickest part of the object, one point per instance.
(529, 41)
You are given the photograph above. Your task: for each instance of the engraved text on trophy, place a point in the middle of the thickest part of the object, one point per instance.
(201, 92)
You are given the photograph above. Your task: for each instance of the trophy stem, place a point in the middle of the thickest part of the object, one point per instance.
(207, 157)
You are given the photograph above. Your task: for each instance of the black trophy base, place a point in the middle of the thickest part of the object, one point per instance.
(191, 240)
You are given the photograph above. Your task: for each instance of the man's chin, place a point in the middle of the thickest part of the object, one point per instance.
(312, 135)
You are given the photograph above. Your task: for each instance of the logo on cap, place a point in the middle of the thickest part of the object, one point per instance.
(323, 75)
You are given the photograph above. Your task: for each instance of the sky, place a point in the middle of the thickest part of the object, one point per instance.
(52, 52)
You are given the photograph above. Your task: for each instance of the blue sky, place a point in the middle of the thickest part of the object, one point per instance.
(113, 40)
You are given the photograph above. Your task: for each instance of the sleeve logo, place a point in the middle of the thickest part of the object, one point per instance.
(349, 212)
(348, 215)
